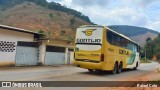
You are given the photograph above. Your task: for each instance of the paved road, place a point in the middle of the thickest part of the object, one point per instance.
(68, 73)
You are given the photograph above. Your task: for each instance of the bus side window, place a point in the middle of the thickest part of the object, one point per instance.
(118, 40)
(135, 48)
(109, 37)
(138, 48)
(115, 40)
(130, 46)
(123, 42)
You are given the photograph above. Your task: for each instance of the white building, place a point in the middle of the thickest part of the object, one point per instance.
(56, 52)
(18, 46)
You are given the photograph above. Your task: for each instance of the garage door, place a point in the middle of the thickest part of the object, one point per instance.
(55, 55)
(26, 53)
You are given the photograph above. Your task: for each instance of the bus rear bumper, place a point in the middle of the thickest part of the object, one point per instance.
(89, 65)
(94, 66)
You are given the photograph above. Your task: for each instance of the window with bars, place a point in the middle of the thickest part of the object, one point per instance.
(6, 46)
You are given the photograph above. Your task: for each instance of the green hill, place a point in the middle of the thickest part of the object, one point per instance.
(57, 21)
(32, 15)
(138, 34)
(4, 4)
(131, 30)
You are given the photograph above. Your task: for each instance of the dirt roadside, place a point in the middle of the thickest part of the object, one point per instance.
(153, 76)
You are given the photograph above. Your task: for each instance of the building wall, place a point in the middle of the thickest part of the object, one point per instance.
(71, 57)
(42, 53)
(59, 43)
(8, 43)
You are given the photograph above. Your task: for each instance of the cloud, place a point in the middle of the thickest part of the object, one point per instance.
(138, 4)
(54, 0)
(145, 3)
(141, 13)
(125, 16)
(88, 3)
(155, 25)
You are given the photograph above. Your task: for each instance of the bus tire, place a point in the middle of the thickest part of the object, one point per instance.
(90, 70)
(135, 68)
(119, 70)
(114, 71)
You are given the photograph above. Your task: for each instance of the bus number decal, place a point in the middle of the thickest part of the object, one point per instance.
(110, 49)
(123, 52)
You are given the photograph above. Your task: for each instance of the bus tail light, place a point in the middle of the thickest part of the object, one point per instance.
(102, 57)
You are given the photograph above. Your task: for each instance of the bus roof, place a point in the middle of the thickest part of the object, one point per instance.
(83, 26)
(122, 35)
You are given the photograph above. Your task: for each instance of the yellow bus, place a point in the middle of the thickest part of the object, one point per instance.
(101, 48)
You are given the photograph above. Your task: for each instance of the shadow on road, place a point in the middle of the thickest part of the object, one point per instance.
(104, 73)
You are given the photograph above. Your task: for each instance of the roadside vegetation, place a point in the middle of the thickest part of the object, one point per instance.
(152, 49)
(145, 61)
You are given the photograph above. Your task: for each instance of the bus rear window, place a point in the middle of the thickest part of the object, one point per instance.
(89, 38)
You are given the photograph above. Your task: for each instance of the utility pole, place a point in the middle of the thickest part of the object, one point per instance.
(145, 55)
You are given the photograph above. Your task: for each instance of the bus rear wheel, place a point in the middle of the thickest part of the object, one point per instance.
(90, 70)
(135, 68)
(119, 70)
(114, 71)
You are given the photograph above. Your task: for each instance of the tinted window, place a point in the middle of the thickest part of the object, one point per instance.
(109, 37)
(123, 42)
(117, 40)
(114, 39)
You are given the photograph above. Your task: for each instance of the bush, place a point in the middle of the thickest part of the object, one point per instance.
(62, 32)
(40, 31)
(72, 21)
(145, 61)
(50, 15)
(144, 58)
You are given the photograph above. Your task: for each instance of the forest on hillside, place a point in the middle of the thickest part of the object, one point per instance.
(4, 4)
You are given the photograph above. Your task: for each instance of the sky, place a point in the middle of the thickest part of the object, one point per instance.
(142, 13)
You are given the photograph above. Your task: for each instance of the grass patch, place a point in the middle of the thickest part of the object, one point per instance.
(146, 61)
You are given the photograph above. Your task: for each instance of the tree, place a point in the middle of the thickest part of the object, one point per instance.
(62, 32)
(149, 48)
(152, 47)
(159, 35)
(148, 40)
(72, 21)
(50, 15)
(40, 31)
(157, 47)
